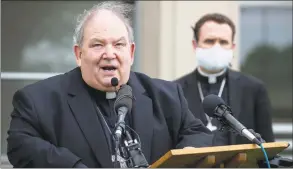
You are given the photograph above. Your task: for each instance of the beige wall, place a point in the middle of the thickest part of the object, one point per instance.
(165, 34)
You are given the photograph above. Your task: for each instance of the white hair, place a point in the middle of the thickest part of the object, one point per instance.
(120, 9)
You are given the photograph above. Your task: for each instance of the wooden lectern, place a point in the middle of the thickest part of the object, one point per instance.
(233, 156)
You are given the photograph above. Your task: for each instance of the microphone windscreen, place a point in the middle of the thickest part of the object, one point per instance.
(210, 103)
(114, 81)
(124, 98)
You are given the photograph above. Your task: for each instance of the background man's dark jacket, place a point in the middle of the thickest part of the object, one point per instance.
(248, 99)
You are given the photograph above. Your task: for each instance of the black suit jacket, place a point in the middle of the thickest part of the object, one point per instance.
(54, 123)
(248, 100)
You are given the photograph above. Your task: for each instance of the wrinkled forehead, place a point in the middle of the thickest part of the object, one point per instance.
(105, 25)
(215, 31)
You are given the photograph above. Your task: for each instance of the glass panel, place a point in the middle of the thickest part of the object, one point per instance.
(37, 36)
(250, 31)
(8, 88)
(280, 26)
(269, 57)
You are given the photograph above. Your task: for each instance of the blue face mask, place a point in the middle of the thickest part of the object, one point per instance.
(215, 58)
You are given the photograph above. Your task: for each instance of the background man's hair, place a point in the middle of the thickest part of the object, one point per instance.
(216, 17)
(122, 10)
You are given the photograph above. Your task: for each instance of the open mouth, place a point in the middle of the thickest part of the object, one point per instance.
(109, 68)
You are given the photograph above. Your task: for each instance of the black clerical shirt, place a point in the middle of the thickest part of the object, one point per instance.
(221, 137)
(107, 115)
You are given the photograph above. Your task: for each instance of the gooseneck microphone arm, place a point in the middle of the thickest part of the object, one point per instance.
(236, 125)
(122, 106)
(215, 106)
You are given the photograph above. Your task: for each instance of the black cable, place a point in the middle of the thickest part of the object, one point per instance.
(135, 152)
(138, 139)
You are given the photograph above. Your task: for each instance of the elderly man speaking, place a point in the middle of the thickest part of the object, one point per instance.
(69, 120)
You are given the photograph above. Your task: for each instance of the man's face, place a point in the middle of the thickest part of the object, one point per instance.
(106, 51)
(212, 33)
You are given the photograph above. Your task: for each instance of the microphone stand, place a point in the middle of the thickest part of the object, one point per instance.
(133, 148)
(131, 151)
(116, 152)
(118, 147)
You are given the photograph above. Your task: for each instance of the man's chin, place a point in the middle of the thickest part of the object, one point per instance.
(107, 86)
(107, 81)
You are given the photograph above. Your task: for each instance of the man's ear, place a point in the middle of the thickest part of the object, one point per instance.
(132, 51)
(77, 52)
(233, 46)
(194, 44)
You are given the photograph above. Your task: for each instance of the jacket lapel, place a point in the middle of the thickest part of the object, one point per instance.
(84, 111)
(235, 96)
(142, 115)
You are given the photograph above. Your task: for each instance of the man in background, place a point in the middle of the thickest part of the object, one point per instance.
(213, 45)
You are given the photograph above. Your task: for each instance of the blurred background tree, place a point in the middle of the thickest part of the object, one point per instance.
(273, 66)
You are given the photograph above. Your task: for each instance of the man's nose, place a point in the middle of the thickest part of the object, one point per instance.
(109, 52)
(217, 44)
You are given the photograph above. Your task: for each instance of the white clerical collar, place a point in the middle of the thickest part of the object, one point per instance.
(212, 78)
(110, 95)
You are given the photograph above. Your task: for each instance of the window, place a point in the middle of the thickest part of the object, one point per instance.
(266, 53)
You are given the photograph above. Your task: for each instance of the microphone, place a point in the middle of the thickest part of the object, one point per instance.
(122, 105)
(114, 81)
(215, 106)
